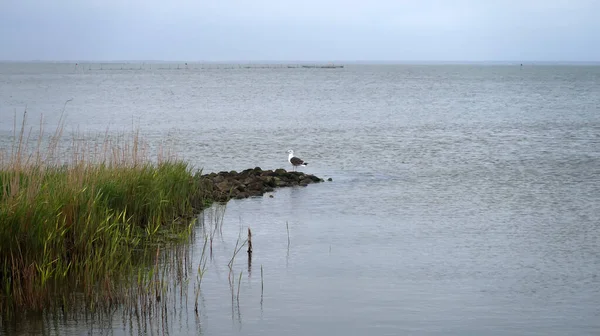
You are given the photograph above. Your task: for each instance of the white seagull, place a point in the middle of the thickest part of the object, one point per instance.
(295, 161)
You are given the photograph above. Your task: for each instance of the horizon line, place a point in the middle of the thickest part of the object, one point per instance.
(305, 61)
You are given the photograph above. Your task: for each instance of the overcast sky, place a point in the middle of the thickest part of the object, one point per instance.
(225, 30)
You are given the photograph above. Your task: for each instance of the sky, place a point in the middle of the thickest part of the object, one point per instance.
(307, 30)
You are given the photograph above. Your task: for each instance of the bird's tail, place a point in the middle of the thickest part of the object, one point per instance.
(304, 163)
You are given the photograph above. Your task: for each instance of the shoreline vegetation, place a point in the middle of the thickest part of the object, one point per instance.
(87, 224)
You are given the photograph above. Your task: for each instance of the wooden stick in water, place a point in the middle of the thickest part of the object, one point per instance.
(287, 226)
(249, 241)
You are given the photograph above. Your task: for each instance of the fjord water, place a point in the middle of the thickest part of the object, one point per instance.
(465, 198)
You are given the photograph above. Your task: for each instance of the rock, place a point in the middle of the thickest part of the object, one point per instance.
(257, 185)
(251, 182)
(277, 181)
(268, 180)
(223, 186)
(330, 179)
(242, 195)
(305, 181)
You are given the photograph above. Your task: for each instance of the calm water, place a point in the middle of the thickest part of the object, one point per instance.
(465, 199)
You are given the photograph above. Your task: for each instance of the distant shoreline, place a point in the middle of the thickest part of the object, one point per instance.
(281, 62)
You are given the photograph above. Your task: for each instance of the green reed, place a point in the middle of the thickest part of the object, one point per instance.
(82, 219)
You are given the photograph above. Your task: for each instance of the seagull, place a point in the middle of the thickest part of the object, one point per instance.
(295, 161)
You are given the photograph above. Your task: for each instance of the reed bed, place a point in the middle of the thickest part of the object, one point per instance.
(85, 218)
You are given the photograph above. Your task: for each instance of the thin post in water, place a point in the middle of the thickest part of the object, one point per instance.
(249, 241)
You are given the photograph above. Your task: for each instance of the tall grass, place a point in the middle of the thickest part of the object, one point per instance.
(79, 219)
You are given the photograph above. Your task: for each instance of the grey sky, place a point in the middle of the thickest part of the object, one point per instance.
(221, 30)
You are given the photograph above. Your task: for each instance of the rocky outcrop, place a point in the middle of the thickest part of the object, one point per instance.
(252, 182)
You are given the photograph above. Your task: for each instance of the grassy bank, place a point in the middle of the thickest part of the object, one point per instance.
(80, 218)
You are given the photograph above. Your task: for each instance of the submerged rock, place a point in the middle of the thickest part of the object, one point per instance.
(252, 182)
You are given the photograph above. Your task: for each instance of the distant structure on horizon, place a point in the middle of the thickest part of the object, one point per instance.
(108, 66)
